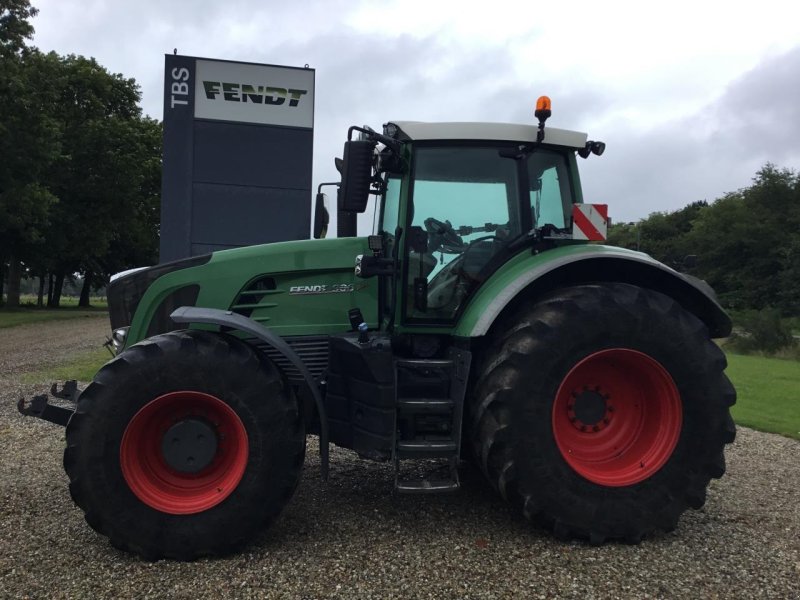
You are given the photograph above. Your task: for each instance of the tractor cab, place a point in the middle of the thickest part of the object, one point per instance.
(470, 205)
(457, 200)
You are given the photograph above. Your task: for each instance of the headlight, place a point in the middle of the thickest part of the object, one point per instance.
(118, 338)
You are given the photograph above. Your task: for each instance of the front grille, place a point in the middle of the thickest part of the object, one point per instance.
(312, 350)
(125, 293)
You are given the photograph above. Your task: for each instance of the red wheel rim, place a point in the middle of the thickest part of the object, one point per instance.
(617, 417)
(164, 488)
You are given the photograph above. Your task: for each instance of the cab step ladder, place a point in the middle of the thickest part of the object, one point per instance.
(430, 407)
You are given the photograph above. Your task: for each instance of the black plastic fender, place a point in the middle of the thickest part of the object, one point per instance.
(226, 318)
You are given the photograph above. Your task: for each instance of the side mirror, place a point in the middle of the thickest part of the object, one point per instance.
(356, 175)
(321, 217)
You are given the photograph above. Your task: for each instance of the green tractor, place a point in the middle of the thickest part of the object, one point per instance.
(477, 323)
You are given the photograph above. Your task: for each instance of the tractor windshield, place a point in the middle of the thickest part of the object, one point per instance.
(471, 202)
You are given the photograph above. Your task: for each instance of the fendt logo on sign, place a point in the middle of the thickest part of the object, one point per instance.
(257, 94)
(248, 93)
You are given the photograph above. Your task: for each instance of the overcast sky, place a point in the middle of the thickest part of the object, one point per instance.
(691, 98)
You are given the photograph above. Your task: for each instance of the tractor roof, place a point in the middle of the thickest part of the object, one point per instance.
(505, 132)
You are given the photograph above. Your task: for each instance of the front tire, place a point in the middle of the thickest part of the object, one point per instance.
(185, 445)
(602, 412)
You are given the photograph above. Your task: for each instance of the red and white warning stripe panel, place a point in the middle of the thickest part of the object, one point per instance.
(589, 222)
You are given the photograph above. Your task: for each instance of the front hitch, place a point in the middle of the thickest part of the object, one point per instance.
(40, 407)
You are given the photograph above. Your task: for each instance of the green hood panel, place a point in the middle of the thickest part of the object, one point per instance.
(301, 255)
(320, 271)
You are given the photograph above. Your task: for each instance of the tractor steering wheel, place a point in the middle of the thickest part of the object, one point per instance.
(442, 236)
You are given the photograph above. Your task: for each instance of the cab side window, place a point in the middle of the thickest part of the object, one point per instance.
(550, 195)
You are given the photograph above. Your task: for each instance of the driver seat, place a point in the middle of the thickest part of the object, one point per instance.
(476, 257)
(427, 260)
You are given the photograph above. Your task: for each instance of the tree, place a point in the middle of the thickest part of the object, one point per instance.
(747, 242)
(744, 241)
(29, 141)
(721, 238)
(662, 234)
(624, 235)
(23, 216)
(98, 174)
(136, 243)
(789, 276)
(15, 27)
(124, 194)
(80, 167)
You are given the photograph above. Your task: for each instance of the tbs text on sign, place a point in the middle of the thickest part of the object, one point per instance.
(180, 87)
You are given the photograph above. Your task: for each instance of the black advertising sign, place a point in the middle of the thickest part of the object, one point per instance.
(238, 142)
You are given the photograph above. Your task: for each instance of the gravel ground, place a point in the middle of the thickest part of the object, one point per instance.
(353, 537)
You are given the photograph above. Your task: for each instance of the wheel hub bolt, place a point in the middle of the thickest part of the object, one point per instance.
(590, 410)
(190, 445)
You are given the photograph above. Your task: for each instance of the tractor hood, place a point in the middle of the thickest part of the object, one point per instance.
(295, 288)
(301, 255)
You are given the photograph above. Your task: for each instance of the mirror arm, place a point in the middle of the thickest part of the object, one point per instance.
(321, 185)
(373, 135)
(321, 216)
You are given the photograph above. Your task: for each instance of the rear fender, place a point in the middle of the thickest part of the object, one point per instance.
(527, 277)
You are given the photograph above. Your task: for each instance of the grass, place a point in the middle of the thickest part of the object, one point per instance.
(81, 366)
(768, 391)
(29, 301)
(11, 317)
(28, 312)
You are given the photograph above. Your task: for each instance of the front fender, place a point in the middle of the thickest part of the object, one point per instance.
(188, 315)
(527, 276)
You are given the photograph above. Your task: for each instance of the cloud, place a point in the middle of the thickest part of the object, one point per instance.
(706, 154)
(681, 119)
(760, 112)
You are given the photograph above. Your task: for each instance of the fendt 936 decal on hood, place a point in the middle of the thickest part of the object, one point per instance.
(336, 288)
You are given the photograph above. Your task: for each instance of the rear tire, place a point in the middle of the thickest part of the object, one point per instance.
(134, 489)
(602, 412)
